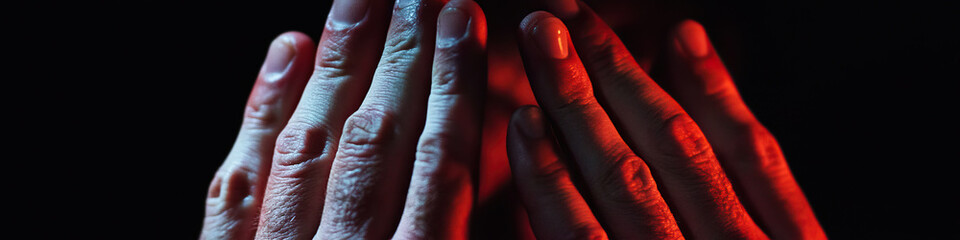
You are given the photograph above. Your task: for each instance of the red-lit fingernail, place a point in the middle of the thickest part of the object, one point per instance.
(279, 56)
(552, 37)
(348, 11)
(531, 123)
(693, 39)
(452, 26)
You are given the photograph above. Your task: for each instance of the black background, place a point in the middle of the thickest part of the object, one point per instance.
(126, 109)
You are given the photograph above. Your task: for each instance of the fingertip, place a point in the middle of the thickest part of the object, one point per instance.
(691, 39)
(305, 48)
(548, 33)
(461, 20)
(529, 22)
(282, 78)
(528, 120)
(286, 51)
(300, 41)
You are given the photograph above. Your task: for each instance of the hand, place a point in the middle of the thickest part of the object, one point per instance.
(369, 144)
(636, 154)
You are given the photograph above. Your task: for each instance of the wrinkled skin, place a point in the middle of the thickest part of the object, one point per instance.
(390, 127)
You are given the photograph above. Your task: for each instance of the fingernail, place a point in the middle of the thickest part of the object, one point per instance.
(279, 56)
(348, 11)
(564, 8)
(531, 123)
(452, 26)
(693, 39)
(552, 37)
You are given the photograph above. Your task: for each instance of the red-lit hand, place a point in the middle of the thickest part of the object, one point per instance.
(637, 154)
(369, 144)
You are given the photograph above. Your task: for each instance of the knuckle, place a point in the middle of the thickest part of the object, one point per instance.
(550, 173)
(332, 62)
(626, 180)
(231, 189)
(758, 149)
(430, 153)
(303, 138)
(720, 88)
(608, 58)
(300, 147)
(446, 80)
(364, 135)
(369, 126)
(684, 144)
(260, 116)
(398, 57)
(575, 102)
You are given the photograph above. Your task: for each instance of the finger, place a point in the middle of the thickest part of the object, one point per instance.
(555, 207)
(661, 132)
(620, 182)
(442, 185)
(237, 189)
(371, 173)
(751, 155)
(306, 147)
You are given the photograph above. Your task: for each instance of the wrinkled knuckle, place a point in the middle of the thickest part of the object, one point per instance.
(625, 180)
(758, 149)
(332, 63)
(231, 189)
(682, 139)
(610, 59)
(402, 48)
(574, 102)
(364, 134)
(303, 138)
(550, 173)
(396, 62)
(300, 146)
(430, 153)
(720, 89)
(446, 81)
(261, 116)
(369, 126)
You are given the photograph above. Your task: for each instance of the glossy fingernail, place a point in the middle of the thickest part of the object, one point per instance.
(348, 11)
(452, 26)
(693, 39)
(279, 57)
(531, 123)
(552, 37)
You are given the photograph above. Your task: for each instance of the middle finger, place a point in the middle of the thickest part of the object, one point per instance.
(371, 172)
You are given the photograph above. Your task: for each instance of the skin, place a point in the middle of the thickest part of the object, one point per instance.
(609, 94)
(348, 129)
(385, 142)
